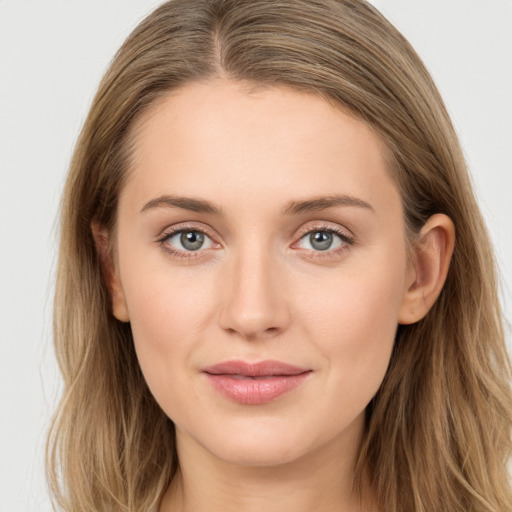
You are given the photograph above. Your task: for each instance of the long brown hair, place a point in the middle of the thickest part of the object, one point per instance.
(438, 432)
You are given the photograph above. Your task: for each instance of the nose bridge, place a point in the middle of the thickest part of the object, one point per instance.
(254, 303)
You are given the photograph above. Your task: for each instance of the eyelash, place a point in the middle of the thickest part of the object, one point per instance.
(346, 239)
(187, 255)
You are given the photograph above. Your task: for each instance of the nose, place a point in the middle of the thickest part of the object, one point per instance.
(254, 304)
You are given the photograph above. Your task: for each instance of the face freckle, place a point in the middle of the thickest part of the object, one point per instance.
(260, 227)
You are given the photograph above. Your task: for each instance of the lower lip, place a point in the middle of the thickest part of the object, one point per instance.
(255, 391)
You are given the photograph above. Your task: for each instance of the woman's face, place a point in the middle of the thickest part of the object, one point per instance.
(261, 261)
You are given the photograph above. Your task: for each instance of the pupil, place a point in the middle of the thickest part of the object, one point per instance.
(192, 240)
(321, 240)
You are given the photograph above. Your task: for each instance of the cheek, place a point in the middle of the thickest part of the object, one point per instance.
(353, 322)
(168, 313)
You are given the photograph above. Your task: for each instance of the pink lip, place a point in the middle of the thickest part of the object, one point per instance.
(257, 383)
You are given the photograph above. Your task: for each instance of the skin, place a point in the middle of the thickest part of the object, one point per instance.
(258, 289)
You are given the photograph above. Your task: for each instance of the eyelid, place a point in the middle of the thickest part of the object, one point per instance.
(341, 231)
(186, 226)
(346, 237)
(175, 229)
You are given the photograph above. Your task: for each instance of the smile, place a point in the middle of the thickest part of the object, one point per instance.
(255, 384)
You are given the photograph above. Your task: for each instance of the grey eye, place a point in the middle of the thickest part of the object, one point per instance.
(189, 240)
(321, 240)
(192, 240)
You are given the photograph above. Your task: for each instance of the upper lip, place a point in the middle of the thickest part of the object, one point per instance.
(260, 369)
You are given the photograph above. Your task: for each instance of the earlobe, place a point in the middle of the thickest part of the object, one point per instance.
(110, 271)
(428, 268)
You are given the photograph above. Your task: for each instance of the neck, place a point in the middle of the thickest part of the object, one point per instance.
(322, 481)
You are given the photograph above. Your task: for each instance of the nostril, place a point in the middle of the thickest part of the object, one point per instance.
(255, 334)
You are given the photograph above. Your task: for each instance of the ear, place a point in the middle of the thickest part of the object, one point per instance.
(428, 268)
(110, 271)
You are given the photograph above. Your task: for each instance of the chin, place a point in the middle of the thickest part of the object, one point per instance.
(260, 442)
(258, 453)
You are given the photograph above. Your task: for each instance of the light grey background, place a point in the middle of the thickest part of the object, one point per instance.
(52, 56)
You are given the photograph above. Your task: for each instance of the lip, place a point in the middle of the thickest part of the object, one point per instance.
(255, 383)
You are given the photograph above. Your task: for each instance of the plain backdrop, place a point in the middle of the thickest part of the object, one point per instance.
(52, 55)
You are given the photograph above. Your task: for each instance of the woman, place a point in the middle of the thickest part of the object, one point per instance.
(275, 288)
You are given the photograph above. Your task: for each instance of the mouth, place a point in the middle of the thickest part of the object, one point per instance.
(255, 384)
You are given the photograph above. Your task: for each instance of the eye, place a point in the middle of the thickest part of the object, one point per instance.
(323, 240)
(188, 240)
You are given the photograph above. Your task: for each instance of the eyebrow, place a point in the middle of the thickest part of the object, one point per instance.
(291, 208)
(185, 203)
(323, 203)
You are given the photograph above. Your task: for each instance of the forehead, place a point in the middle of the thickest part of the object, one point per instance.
(219, 139)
